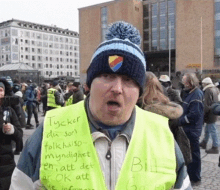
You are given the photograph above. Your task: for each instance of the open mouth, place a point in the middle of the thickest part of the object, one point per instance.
(113, 103)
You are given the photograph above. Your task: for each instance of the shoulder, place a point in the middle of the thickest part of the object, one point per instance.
(29, 161)
(197, 94)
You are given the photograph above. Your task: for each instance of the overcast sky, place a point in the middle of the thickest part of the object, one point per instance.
(62, 13)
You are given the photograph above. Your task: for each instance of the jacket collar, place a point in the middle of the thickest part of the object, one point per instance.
(208, 86)
(94, 127)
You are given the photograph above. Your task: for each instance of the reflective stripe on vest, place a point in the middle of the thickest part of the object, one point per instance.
(51, 98)
(69, 101)
(69, 159)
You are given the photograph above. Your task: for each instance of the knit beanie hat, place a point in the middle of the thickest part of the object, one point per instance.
(207, 80)
(119, 54)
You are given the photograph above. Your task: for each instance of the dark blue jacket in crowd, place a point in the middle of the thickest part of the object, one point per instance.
(193, 110)
(30, 96)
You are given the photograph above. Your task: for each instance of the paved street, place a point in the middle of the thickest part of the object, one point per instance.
(210, 169)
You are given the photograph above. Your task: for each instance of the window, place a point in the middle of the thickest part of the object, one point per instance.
(46, 65)
(33, 42)
(33, 58)
(26, 57)
(51, 59)
(61, 52)
(70, 66)
(58, 67)
(39, 65)
(67, 66)
(33, 65)
(146, 10)
(46, 58)
(16, 41)
(33, 50)
(50, 65)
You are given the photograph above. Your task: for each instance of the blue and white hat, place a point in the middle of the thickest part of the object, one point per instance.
(119, 54)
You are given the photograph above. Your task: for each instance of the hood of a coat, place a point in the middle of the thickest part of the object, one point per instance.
(170, 110)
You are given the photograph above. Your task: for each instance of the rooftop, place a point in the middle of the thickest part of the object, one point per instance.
(16, 66)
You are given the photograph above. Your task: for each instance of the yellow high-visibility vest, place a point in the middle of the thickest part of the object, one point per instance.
(69, 159)
(51, 98)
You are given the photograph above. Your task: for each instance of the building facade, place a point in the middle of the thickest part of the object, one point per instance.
(51, 50)
(177, 35)
(93, 22)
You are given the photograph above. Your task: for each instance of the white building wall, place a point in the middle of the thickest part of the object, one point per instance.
(51, 53)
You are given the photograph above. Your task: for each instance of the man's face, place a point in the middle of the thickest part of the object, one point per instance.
(185, 82)
(112, 98)
(2, 92)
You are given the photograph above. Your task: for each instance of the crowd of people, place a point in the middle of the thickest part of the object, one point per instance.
(127, 128)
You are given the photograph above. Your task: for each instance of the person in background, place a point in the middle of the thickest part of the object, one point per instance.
(154, 100)
(44, 98)
(31, 105)
(116, 144)
(210, 96)
(192, 122)
(74, 94)
(173, 95)
(18, 108)
(10, 130)
(55, 98)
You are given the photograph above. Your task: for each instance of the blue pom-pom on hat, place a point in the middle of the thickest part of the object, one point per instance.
(119, 54)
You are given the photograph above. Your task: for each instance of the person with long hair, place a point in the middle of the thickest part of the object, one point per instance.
(154, 100)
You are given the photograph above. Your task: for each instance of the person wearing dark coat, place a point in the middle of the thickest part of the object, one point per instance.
(44, 98)
(211, 96)
(192, 122)
(31, 104)
(172, 94)
(10, 130)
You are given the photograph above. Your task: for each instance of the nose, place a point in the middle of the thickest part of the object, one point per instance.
(117, 85)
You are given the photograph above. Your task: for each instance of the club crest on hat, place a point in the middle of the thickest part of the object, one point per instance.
(115, 62)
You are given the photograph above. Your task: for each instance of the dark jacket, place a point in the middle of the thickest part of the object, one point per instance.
(7, 163)
(174, 95)
(210, 97)
(31, 96)
(193, 111)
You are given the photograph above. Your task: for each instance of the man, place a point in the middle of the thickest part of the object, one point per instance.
(192, 121)
(74, 94)
(54, 96)
(10, 130)
(105, 142)
(31, 105)
(171, 93)
(211, 96)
